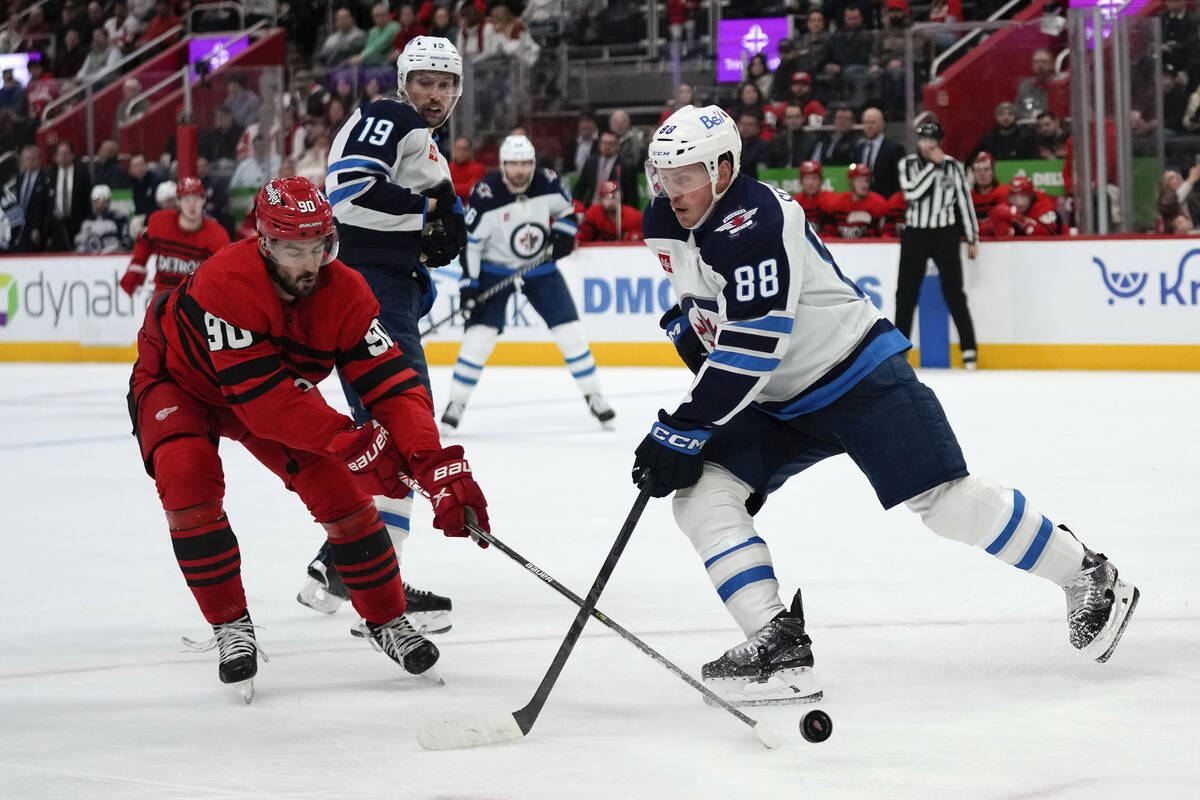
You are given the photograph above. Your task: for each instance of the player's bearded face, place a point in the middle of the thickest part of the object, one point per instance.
(518, 173)
(689, 190)
(432, 95)
(294, 264)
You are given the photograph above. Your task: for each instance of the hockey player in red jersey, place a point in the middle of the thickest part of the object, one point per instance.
(236, 351)
(182, 238)
(812, 198)
(986, 194)
(858, 213)
(1027, 213)
(610, 220)
(897, 208)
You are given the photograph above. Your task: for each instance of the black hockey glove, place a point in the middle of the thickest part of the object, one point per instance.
(683, 335)
(669, 457)
(438, 245)
(450, 211)
(468, 293)
(562, 238)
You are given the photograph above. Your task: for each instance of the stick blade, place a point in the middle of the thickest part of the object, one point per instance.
(456, 734)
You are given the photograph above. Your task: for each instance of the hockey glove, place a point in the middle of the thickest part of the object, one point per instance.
(372, 456)
(450, 211)
(446, 476)
(669, 457)
(468, 293)
(686, 340)
(562, 238)
(438, 245)
(132, 279)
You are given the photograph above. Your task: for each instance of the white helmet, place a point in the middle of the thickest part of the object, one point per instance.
(429, 54)
(516, 148)
(101, 192)
(694, 136)
(164, 194)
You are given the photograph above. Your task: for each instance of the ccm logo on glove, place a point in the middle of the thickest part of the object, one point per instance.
(676, 440)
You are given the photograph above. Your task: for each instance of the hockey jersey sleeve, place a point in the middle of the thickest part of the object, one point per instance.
(760, 298)
(226, 337)
(358, 178)
(479, 228)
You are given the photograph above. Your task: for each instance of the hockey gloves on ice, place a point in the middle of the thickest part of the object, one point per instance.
(446, 476)
(372, 456)
(669, 457)
(683, 335)
(468, 293)
(562, 238)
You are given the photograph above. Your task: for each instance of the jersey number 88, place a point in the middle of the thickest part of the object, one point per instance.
(764, 279)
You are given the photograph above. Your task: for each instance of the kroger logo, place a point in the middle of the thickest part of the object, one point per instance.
(1171, 285)
(8, 298)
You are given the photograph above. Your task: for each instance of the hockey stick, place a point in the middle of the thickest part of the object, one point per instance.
(451, 734)
(491, 292)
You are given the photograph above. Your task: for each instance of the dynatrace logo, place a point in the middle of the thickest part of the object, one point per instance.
(1174, 287)
(8, 298)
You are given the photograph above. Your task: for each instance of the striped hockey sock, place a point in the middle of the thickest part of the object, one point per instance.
(208, 556)
(366, 560)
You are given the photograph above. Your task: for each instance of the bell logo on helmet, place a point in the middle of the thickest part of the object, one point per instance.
(711, 122)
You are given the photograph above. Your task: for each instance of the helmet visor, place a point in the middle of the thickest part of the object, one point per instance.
(300, 254)
(668, 181)
(432, 94)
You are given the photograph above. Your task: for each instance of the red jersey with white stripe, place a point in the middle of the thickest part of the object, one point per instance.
(1040, 220)
(179, 252)
(849, 217)
(231, 342)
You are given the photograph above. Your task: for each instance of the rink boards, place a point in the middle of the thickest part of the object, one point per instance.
(1083, 303)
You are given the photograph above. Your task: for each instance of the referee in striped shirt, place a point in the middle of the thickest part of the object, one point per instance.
(939, 213)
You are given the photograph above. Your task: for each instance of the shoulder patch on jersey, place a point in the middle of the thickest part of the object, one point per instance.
(490, 192)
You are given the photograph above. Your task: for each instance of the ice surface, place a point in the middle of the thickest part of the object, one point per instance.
(947, 673)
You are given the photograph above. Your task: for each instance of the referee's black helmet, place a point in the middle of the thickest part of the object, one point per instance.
(931, 130)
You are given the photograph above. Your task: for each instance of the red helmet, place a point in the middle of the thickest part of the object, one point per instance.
(608, 189)
(858, 171)
(1020, 185)
(188, 186)
(811, 168)
(292, 208)
(984, 159)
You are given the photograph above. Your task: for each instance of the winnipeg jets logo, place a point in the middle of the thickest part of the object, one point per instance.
(439, 497)
(738, 220)
(163, 413)
(527, 240)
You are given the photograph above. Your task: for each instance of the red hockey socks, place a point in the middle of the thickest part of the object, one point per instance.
(208, 555)
(366, 560)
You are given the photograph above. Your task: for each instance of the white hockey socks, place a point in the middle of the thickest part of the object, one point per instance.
(999, 520)
(577, 352)
(713, 514)
(477, 344)
(397, 518)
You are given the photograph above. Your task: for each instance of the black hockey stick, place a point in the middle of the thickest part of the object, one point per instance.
(491, 292)
(451, 734)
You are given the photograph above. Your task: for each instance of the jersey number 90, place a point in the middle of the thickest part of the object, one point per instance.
(750, 282)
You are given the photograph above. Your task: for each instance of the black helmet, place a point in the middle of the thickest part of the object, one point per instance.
(931, 130)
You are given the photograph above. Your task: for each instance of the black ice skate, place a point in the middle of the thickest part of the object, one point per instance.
(772, 667)
(601, 410)
(428, 612)
(452, 416)
(400, 642)
(324, 591)
(1098, 606)
(237, 653)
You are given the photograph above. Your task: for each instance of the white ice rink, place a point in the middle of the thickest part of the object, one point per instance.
(947, 673)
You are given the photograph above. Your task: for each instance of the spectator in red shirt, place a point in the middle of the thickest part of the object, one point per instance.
(410, 29)
(465, 171)
(812, 196)
(858, 213)
(681, 19)
(1027, 213)
(610, 220)
(802, 95)
(163, 20)
(986, 194)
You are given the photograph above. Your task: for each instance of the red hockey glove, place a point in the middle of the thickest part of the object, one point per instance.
(446, 475)
(131, 280)
(372, 456)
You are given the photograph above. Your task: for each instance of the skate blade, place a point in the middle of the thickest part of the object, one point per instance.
(245, 690)
(313, 595)
(786, 687)
(429, 621)
(433, 676)
(1125, 600)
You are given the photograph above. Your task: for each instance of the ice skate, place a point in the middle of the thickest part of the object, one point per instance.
(1099, 606)
(324, 590)
(601, 410)
(400, 642)
(237, 653)
(452, 416)
(772, 667)
(428, 612)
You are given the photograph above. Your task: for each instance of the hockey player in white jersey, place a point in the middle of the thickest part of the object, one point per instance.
(397, 215)
(793, 365)
(517, 217)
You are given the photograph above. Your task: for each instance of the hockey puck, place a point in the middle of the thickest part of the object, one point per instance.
(816, 726)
